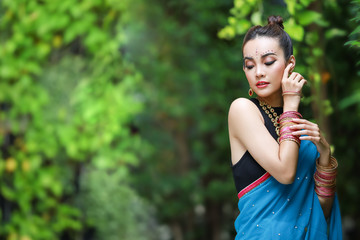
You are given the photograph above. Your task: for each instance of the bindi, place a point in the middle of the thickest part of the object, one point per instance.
(267, 51)
(263, 54)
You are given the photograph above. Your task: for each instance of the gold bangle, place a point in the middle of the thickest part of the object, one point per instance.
(286, 124)
(290, 119)
(332, 168)
(290, 139)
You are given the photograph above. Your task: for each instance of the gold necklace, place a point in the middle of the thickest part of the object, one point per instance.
(272, 115)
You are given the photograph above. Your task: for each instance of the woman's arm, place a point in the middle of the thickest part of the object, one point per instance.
(246, 128)
(312, 132)
(326, 203)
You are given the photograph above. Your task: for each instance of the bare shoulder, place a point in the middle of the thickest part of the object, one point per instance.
(240, 106)
(243, 116)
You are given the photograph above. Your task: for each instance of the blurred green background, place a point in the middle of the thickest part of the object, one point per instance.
(113, 113)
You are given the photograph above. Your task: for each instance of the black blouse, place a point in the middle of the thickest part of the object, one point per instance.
(247, 170)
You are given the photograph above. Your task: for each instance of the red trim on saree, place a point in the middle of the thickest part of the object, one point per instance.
(254, 184)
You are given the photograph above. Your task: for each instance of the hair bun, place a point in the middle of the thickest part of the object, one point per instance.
(276, 20)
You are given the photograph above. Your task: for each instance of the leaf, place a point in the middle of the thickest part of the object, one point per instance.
(291, 6)
(242, 26)
(350, 100)
(232, 20)
(335, 32)
(328, 109)
(227, 32)
(356, 30)
(318, 52)
(353, 43)
(256, 18)
(8, 193)
(306, 3)
(295, 31)
(307, 17)
(311, 38)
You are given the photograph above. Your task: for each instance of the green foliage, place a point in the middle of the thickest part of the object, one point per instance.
(112, 208)
(354, 97)
(295, 31)
(355, 35)
(106, 103)
(191, 79)
(67, 99)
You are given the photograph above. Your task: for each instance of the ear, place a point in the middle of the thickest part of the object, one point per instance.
(293, 61)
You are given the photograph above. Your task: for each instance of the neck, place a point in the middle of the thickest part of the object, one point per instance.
(275, 100)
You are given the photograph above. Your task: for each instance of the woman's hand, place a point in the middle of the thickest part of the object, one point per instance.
(292, 85)
(311, 131)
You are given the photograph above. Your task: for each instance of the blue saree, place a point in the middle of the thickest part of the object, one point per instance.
(271, 210)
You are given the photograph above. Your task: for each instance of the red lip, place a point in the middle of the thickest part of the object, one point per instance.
(262, 84)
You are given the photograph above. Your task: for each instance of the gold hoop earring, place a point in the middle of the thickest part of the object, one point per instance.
(251, 92)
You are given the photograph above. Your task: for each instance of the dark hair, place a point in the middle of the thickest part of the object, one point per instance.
(274, 29)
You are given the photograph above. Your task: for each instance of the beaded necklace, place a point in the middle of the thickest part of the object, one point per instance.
(272, 115)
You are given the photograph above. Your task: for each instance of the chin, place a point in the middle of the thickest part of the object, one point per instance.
(263, 94)
(268, 92)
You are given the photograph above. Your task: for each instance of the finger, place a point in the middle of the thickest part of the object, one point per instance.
(311, 138)
(298, 78)
(306, 132)
(293, 76)
(297, 133)
(302, 126)
(302, 120)
(302, 82)
(287, 70)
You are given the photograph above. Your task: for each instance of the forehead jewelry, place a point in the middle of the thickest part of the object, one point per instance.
(265, 52)
(268, 51)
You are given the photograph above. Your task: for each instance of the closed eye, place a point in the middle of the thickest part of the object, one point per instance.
(249, 67)
(269, 63)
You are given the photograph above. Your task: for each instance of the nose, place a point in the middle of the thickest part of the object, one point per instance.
(259, 72)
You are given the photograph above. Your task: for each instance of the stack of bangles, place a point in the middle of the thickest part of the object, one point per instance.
(286, 121)
(325, 179)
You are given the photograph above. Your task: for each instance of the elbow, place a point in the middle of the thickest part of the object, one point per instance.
(287, 177)
(288, 181)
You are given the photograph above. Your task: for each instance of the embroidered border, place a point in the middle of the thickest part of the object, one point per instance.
(254, 184)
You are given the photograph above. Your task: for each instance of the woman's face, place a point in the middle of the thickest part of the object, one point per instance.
(264, 65)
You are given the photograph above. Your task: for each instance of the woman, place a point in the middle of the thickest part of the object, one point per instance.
(276, 155)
